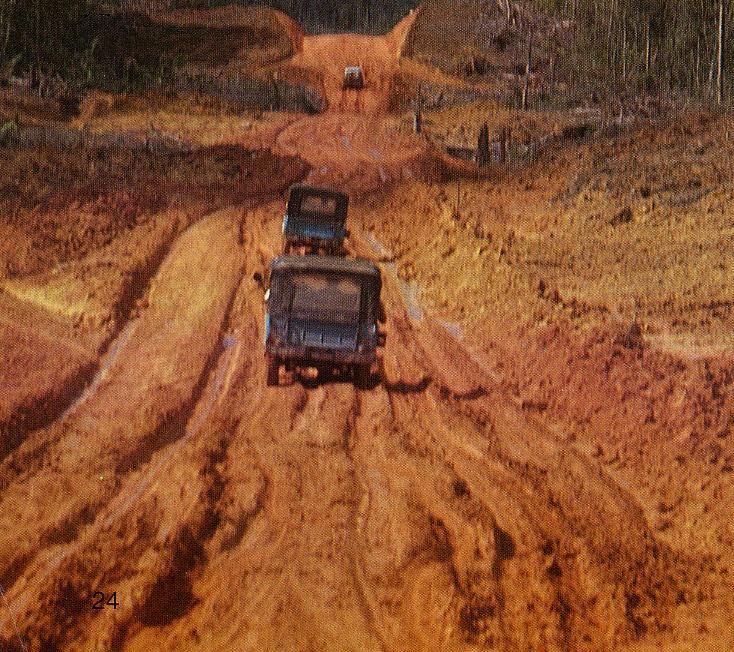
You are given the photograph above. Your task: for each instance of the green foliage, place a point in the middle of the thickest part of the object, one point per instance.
(37, 31)
(8, 131)
(663, 46)
(329, 15)
(615, 47)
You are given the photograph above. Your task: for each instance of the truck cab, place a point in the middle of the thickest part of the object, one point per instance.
(323, 312)
(314, 221)
(353, 78)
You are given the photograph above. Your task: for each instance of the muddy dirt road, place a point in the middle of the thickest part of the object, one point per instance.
(432, 512)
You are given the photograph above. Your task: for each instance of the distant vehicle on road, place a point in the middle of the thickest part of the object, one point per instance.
(314, 221)
(353, 78)
(323, 312)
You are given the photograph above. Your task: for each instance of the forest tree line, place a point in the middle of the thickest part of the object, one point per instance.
(35, 33)
(665, 46)
(369, 16)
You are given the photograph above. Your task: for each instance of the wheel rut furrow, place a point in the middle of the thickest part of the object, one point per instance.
(634, 541)
(525, 483)
(196, 528)
(54, 407)
(77, 542)
(360, 506)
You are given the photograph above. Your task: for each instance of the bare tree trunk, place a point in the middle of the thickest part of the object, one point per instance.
(720, 57)
(672, 58)
(506, 8)
(610, 25)
(418, 114)
(647, 46)
(8, 28)
(482, 154)
(528, 65)
(417, 121)
(624, 49)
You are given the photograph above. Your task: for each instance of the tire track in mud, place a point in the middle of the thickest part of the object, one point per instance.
(316, 416)
(297, 556)
(360, 507)
(36, 441)
(71, 527)
(47, 410)
(26, 429)
(381, 509)
(40, 414)
(224, 377)
(425, 513)
(165, 594)
(457, 387)
(430, 513)
(296, 449)
(314, 413)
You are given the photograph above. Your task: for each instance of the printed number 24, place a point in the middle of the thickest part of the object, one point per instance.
(100, 603)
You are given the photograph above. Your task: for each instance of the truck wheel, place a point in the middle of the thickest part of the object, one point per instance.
(273, 378)
(362, 373)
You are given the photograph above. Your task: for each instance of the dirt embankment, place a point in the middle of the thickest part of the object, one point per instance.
(358, 143)
(535, 469)
(140, 405)
(84, 231)
(427, 512)
(64, 203)
(227, 53)
(600, 305)
(237, 37)
(475, 39)
(379, 57)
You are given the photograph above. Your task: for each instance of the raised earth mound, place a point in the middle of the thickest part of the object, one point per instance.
(544, 464)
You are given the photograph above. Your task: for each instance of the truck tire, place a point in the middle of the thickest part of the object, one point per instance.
(362, 374)
(273, 376)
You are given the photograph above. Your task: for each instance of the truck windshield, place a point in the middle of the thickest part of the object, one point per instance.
(331, 298)
(318, 205)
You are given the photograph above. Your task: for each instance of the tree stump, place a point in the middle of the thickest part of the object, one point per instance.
(483, 146)
(417, 121)
(502, 140)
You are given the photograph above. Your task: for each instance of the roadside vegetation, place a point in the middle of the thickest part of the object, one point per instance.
(93, 46)
(544, 53)
(368, 16)
(578, 52)
(620, 47)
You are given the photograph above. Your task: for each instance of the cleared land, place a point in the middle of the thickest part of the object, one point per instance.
(545, 465)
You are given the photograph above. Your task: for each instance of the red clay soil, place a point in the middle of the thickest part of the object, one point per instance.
(614, 335)
(429, 513)
(80, 250)
(516, 488)
(356, 143)
(41, 365)
(140, 404)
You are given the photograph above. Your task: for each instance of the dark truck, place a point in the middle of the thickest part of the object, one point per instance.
(315, 221)
(323, 312)
(353, 78)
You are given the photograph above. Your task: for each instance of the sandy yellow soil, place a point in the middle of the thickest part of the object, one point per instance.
(544, 462)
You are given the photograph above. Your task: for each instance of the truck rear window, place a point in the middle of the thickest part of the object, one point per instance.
(332, 298)
(318, 204)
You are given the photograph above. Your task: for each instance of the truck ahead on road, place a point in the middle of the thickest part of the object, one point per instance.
(353, 78)
(323, 312)
(315, 221)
